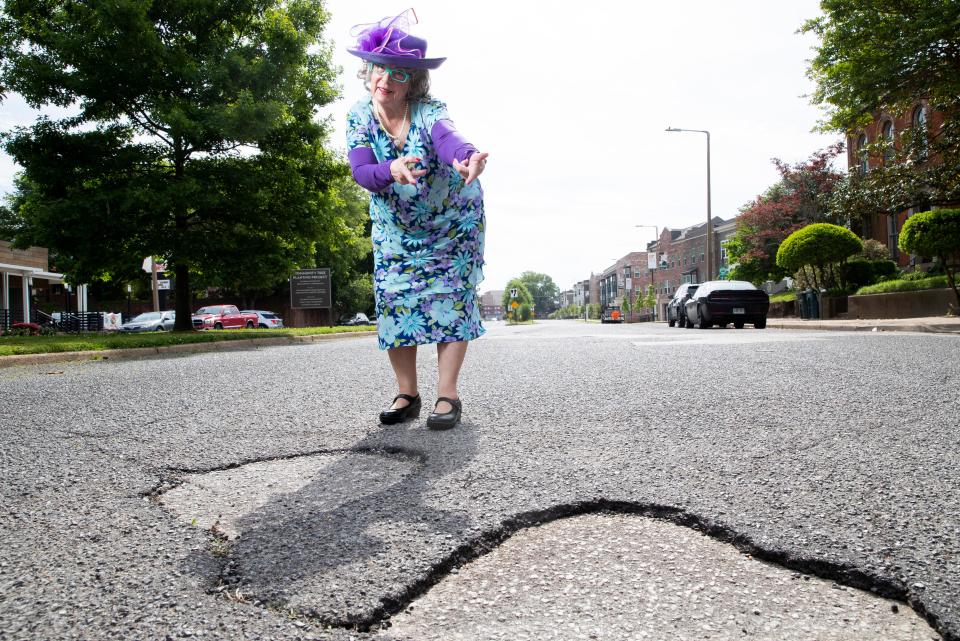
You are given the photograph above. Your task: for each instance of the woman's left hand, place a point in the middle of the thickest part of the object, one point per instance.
(474, 166)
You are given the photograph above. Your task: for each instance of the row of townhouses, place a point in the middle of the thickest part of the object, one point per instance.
(681, 253)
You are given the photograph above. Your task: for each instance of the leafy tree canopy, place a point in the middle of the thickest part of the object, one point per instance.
(935, 233)
(543, 290)
(883, 56)
(195, 138)
(800, 197)
(524, 297)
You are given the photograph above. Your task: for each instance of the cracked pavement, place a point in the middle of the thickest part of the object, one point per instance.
(835, 454)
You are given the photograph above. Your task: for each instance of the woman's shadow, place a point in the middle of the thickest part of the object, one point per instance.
(349, 546)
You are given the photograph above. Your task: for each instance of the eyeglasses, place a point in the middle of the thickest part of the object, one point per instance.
(397, 75)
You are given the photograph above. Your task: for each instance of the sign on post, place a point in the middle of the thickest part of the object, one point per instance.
(163, 284)
(310, 288)
(513, 292)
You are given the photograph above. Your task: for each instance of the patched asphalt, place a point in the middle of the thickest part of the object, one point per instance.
(628, 577)
(834, 454)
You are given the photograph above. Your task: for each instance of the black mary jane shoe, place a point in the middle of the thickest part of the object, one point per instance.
(400, 414)
(445, 421)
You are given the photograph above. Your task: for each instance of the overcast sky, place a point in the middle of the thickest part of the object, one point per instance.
(572, 103)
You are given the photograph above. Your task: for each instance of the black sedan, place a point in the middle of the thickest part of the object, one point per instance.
(720, 302)
(676, 313)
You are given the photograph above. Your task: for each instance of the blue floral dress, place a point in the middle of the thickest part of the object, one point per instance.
(427, 238)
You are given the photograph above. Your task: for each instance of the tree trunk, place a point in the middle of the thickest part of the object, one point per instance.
(181, 267)
(183, 306)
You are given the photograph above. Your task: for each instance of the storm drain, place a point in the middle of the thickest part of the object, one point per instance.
(233, 497)
(627, 577)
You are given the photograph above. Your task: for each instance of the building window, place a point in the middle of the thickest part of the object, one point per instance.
(892, 237)
(918, 120)
(887, 142)
(862, 161)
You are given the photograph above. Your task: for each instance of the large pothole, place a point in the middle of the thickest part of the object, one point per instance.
(232, 497)
(627, 577)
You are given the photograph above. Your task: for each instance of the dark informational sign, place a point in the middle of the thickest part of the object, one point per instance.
(310, 288)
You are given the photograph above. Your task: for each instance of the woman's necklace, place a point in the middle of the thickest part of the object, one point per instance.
(398, 139)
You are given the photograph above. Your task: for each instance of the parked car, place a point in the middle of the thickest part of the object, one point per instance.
(719, 302)
(611, 314)
(223, 317)
(265, 319)
(676, 308)
(357, 318)
(150, 322)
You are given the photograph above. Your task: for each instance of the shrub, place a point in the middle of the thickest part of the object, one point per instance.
(24, 329)
(859, 273)
(874, 250)
(820, 245)
(525, 311)
(935, 233)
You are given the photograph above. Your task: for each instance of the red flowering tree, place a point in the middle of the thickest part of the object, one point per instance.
(802, 196)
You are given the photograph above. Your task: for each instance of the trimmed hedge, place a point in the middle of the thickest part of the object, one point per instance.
(891, 286)
(818, 244)
(932, 233)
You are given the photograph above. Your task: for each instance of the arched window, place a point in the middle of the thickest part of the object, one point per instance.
(862, 154)
(918, 121)
(887, 141)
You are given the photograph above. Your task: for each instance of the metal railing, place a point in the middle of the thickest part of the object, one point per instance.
(5, 319)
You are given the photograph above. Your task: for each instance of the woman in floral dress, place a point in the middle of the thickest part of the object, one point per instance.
(427, 210)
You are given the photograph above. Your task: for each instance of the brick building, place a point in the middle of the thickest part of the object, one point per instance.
(622, 280)
(491, 307)
(682, 258)
(889, 127)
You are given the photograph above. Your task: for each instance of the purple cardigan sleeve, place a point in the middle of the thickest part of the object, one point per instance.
(450, 143)
(368, 173)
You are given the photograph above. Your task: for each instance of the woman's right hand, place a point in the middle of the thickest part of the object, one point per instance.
(402, 173)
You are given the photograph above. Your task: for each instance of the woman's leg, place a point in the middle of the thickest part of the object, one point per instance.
(404, 362)
(449, 359)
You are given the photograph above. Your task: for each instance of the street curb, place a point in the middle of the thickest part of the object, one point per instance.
(18, 360)
(867, 326)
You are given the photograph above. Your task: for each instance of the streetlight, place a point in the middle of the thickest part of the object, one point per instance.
(709, 215)
(656, 266)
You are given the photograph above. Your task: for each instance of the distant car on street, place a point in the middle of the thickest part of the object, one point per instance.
(357, 318)
(676, 308)
(223, 317)
(720, 302)
(150, 322)
(611, 314)
(266, 320)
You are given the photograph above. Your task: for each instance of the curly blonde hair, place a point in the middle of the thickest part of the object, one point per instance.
(419, 81)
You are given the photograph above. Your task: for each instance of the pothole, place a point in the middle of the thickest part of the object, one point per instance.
(627, 577)
(231, 498)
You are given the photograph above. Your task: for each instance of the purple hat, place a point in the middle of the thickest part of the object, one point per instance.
(389, 42)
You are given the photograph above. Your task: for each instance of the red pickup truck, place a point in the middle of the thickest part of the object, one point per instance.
(223, 317)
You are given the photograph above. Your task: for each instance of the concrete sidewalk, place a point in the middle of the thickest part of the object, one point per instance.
(930, 324)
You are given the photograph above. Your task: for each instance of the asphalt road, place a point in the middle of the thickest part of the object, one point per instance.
(834, 454)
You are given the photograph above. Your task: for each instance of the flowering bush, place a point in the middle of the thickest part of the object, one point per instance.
(24, 329)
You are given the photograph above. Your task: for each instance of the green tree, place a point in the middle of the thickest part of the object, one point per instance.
(524, 297)
(801, 196)
(822, 247)
(543, 290)
(935, 234)
(883, 57)
(195, 138)
(650, 300)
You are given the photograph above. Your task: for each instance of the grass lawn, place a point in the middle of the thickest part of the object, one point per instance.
(783, 296)
(890, 286)
(10, 345)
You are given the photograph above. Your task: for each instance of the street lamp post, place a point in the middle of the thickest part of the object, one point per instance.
(653, 272)
(709, 214)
